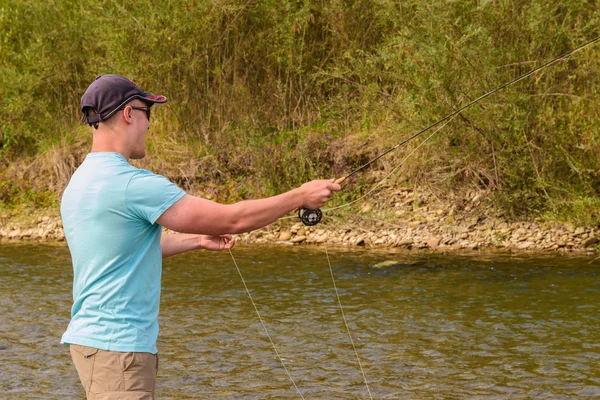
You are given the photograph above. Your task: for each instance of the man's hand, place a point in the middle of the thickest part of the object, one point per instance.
(216, 243)
(172, 244)
(319, 192)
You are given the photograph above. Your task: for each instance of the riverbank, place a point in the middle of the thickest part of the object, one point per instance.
(400, 217)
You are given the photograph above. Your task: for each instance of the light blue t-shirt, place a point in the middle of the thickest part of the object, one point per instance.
(109, 210)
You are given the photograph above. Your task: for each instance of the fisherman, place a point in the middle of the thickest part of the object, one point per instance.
(113, 215)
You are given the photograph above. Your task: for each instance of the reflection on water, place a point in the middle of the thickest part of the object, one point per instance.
(431, 326)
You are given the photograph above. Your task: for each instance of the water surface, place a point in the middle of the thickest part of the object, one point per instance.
(430, 327)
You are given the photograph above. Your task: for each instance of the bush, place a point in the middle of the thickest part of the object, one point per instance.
(261, 92)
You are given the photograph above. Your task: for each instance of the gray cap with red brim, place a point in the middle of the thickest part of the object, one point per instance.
(109, 93)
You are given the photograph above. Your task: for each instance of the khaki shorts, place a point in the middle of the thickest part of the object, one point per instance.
(112, 375)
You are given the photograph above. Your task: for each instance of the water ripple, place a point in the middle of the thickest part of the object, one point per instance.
(426, 328)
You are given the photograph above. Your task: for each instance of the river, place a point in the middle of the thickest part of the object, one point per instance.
(430, 326)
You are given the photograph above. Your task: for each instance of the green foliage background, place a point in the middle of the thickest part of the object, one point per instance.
(265, 95)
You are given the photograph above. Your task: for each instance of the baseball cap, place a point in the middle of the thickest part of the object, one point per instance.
(109, 93)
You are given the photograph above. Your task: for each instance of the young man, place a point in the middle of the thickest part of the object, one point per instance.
(113, 214)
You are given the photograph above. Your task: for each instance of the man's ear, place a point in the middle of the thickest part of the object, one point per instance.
(127, 114)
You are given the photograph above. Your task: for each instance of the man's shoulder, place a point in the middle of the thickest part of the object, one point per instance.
(104, 164)
(100, 175)
(140, 176)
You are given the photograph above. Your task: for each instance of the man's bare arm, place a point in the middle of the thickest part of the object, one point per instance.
(172, 244)
(193, 214)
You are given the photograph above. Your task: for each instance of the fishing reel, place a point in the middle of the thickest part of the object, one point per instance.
(310, 217)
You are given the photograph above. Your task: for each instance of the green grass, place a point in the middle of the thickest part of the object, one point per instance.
(266, 95)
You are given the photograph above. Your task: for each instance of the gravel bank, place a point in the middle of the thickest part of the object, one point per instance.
(426, 229)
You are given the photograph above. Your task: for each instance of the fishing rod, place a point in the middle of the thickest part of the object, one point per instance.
(312, 217)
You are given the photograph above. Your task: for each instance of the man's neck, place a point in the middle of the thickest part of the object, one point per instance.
(107, 140)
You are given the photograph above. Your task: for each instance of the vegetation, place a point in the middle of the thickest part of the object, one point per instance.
(265, 95)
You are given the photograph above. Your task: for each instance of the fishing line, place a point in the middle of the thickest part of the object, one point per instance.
(392, 171)
(477, 100)
(312, 217)
(385, 177)
(264, 326)
(346, 324)
(329, 262)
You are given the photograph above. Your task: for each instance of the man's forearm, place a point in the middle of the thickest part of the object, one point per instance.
(249, 215)
(172, 244)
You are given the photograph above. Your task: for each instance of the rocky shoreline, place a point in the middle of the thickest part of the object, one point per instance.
(474, 236)
(427, 229)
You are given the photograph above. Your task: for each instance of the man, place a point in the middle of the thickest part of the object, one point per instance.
(113, 214)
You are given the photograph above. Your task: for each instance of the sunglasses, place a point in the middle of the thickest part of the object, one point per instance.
(147, 109)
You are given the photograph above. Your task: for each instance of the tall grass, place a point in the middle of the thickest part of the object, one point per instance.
(267, 94)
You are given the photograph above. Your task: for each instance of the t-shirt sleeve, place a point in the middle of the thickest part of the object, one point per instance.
(149, 195)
